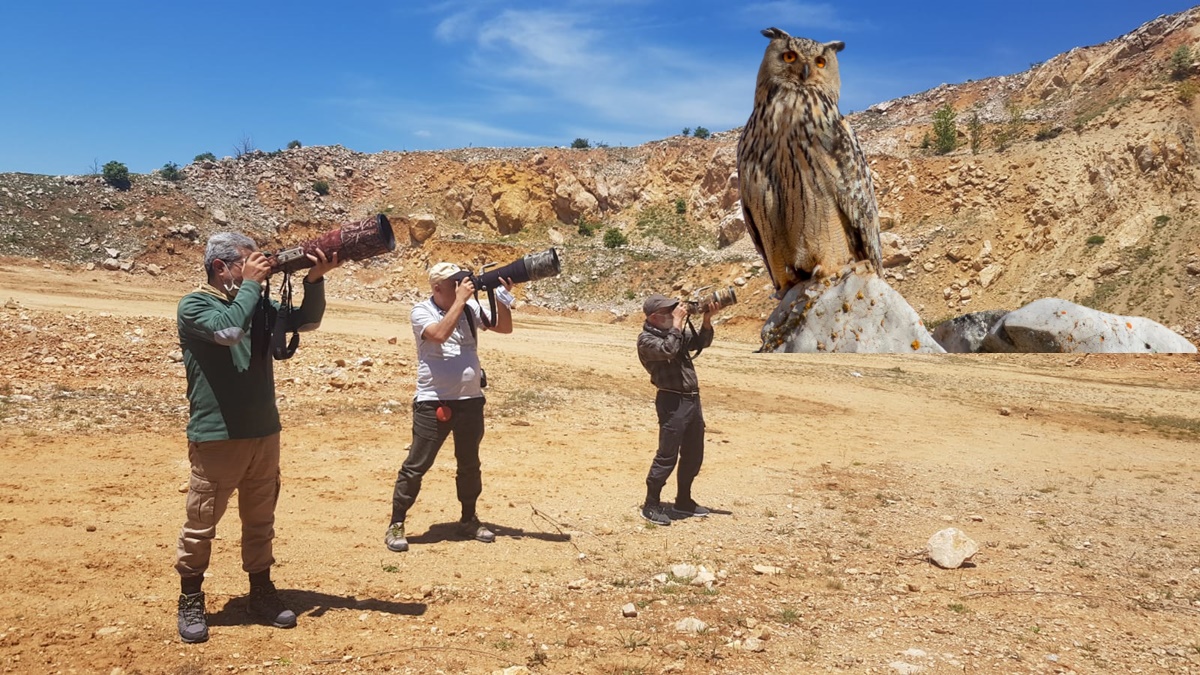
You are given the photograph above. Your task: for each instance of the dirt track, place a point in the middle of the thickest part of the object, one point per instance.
(835, 469)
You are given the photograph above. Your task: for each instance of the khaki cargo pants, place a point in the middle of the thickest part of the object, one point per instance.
(250, 466)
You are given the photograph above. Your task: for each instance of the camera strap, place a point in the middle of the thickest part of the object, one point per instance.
(282, 348)
(695, 333)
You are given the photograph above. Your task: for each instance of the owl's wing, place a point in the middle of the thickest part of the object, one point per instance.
(744, 177)
(756, 237)
(856, 198)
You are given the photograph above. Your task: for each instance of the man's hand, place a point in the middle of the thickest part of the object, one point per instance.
(464, 290)
(257, 267)
(678, 315)
(321, 265)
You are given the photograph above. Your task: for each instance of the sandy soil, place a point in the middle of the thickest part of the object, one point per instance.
(1075, 475)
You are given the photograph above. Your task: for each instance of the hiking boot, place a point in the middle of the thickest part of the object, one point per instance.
(193, 627)
(688, 510)
(264, 604)
(476, 530)
(395, 538)
(656, 514)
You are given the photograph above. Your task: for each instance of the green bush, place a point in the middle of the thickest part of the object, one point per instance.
(580, 144)
(1010, 131)
(680, 206)
(975, 133)
(292, 145)
(586, 227)
(614, 238)
(205, 157)
(170, 171)
(687, 131)
(1181, 62)
(116, 174)
(1095, 240)
(944, 132)
(1186, 91)
(321, 187)
(701, 132)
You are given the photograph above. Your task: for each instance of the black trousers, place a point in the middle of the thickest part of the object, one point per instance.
(680, 441)
(466, 423)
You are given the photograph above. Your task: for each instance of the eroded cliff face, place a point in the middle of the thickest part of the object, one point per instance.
(1083, 185)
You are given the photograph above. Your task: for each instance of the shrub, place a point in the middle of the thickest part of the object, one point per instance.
(1010, 130)
(1095, 240)
(292, 145)
(614, 238)
(580, 144)
(680, 206)
(170, 171)
(687, 131)
(116, 174)
(944, 132)
(321, 187)
(205, 157)
(975, 133)
(701, 132)
(1181, 62)
(586, 227)
(1046, 132)
(1186, 91)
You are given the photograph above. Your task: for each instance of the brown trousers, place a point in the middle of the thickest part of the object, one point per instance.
(250, 466)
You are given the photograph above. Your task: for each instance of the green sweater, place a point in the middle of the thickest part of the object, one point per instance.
(230, 374)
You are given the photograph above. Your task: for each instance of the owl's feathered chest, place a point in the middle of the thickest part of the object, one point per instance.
(802, 116)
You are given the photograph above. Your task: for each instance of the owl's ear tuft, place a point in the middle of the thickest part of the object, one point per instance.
(836, 45)
(774, 33)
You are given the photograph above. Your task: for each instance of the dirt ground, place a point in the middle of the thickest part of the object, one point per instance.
(828, 474)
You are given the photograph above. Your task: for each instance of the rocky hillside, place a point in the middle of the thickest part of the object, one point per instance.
(1082, 184)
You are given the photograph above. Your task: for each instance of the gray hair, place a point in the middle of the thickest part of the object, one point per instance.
(226, 246)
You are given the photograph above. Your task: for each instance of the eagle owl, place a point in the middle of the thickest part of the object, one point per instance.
(805, 185)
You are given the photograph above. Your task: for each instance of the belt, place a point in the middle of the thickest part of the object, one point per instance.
(684, 394)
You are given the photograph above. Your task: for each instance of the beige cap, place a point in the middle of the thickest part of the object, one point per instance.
(442, 271)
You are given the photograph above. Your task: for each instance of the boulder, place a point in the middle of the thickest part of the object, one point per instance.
(732, 227)
(895, 253)
(853, 311)
(950, 548)
(1052, 325)
(965, 334)
(421, 226)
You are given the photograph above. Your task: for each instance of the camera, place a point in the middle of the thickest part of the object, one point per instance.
(352, 241)
(527, 268)
(719, 299)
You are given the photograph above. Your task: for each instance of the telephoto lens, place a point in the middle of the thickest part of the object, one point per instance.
(717, 300)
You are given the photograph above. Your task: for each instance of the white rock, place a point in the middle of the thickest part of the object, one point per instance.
(683, 571)
(950, 548)
(690, 625)
(769, 570)
(629, 610)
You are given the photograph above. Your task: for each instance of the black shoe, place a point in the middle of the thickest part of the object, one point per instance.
(476, 530)
(656, 514)
(193, 627)
(264, 604)
(688, 510)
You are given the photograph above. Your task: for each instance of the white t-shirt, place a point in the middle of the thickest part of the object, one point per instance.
(447, 371)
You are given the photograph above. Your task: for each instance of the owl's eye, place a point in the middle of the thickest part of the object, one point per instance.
(790, 57)
(820, 61)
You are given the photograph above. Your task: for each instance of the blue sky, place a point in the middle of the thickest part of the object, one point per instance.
(146, 83)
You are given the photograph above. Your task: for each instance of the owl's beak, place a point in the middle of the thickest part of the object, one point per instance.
(804, 73)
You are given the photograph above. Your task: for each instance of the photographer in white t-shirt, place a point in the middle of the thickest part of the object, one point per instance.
(449, 397)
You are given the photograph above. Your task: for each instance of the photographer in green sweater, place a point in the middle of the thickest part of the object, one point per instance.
(233, 429)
